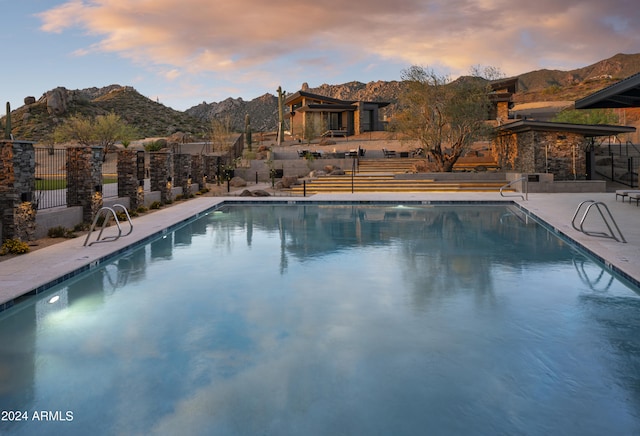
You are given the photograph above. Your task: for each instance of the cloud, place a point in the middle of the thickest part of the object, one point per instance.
(279, 36)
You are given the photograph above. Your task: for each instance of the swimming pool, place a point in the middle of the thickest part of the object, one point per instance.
(331, 319)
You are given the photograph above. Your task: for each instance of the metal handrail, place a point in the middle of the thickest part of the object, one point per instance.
(104, 211)
(598, 205)
(526, 188)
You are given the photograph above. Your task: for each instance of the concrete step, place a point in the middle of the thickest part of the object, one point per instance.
(389, 184)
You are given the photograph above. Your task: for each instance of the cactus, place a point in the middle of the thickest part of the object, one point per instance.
(7, 124)
(281, 95)
(247, 130)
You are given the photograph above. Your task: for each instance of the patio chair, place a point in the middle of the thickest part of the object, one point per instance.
(626, 193)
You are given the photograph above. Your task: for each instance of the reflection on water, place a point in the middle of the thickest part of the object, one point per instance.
(333, 320)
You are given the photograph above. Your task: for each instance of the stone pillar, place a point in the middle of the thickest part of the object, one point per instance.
(197, 171)
(84, 180)
(128, 183)
(161, 174)
(182, 172)
(17, 190)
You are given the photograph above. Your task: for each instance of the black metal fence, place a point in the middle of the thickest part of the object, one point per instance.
(621, 169)
(51, 177)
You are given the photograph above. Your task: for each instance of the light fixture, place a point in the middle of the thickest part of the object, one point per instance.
(54, 299)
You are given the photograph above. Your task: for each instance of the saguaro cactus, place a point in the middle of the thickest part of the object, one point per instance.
(247, 130)
(281, 95)
(7, 124)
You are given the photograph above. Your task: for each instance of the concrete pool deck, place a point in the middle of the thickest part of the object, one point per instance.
(28, 274)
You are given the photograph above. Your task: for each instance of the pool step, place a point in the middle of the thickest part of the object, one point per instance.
(387, 183)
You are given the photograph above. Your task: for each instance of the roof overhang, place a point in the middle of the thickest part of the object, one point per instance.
(623, 94)
(589, 130)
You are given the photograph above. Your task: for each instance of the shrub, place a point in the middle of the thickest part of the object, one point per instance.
(80, 227)
(141, 209)
(14, 246)
(60, 232)
(155, 205)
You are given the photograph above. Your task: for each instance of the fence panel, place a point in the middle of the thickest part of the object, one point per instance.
(110, 176)
(51, 177)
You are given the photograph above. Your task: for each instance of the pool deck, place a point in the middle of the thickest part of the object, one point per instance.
(28, 274)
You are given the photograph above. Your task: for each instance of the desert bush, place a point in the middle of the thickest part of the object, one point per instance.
(14, 246)
(60, 232)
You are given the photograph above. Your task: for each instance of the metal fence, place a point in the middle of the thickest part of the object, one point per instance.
(51, 177)
(621, 169)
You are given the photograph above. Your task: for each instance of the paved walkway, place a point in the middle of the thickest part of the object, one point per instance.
(24, 274)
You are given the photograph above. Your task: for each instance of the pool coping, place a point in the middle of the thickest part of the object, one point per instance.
(169, 219)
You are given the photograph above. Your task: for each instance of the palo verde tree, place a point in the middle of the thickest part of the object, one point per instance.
(445, 116)
(102, 131)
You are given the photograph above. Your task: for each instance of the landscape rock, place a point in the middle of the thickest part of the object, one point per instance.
(29, 100)
(261, 193)
(237, 182)
(289, 181)
(57, 101)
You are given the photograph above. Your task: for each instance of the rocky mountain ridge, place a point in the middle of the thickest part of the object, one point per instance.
(38, 118)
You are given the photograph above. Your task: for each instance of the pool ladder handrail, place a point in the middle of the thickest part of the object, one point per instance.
(107, 213)
(608, 218)
(525, 185)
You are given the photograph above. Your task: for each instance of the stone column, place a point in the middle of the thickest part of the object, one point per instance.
(17, 190)
(84, 180)
(128, 183)
(182, 172)
(161, 174)
(197, 171)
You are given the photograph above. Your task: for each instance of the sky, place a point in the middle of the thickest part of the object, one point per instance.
(185, 52)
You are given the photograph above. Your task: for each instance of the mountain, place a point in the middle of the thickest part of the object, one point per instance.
(38, 118)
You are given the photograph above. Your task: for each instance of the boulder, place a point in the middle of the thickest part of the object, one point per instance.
(57, 100)
(337, 172)
(261, 193)
(246, 193)
(29, 100)
(237, 182)
(317, 173)
(289, 181)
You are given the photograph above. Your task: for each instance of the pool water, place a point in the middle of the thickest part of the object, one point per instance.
(331, 320)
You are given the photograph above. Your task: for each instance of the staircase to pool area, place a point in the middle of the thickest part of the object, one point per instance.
(382, 175)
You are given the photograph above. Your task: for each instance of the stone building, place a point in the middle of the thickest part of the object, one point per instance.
(562, 149)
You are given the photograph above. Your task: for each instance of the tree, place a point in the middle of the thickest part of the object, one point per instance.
(587, 116)
(102, 131)
(445, 116)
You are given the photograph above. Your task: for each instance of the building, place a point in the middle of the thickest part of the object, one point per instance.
(311, 115)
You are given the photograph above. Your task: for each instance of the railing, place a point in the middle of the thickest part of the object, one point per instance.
(525, 186)
(106, 213)
(607, 218)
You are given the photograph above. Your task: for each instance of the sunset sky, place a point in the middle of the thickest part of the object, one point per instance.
(184, 52)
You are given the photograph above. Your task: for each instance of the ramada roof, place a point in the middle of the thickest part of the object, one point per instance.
(549, 126)
(328, 103)
(623, 94)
